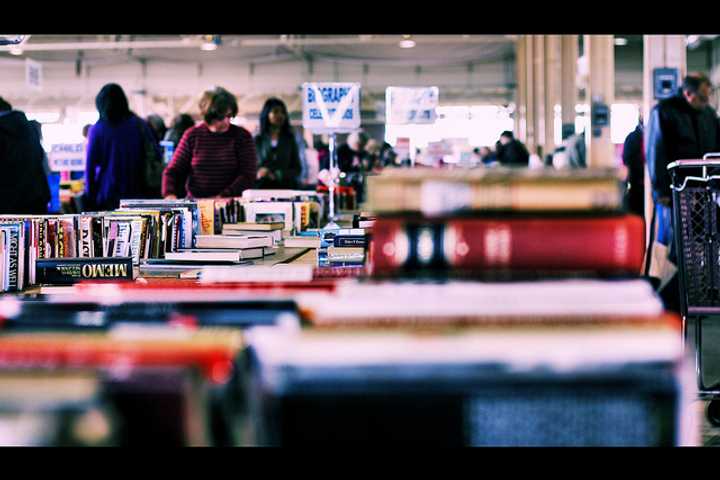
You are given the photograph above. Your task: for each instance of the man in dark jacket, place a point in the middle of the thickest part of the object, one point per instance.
(511, 152)
(681, 127)
(634, 160)
(23, 185)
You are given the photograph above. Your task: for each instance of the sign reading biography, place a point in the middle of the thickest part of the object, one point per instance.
(331, 106)
(411, 105)
(67, 157)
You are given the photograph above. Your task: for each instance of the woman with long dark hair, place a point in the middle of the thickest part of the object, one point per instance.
(278, 155)
(116, 153)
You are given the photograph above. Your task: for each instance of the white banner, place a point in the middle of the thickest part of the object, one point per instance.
(331, 107)
(67, 157)
(411, 105)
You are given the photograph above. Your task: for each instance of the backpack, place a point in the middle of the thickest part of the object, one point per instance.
(153, 161)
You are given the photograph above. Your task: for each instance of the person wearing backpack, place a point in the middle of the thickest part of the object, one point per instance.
(123, 160)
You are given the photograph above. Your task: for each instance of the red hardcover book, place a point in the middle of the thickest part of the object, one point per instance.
(608, 245)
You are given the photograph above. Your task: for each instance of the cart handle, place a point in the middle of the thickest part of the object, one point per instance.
(693, 163)
(711, 155)
(699, 179)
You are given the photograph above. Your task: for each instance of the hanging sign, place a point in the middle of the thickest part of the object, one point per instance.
(67, 157)
(411, 105)
(331, 106)
(33, 74)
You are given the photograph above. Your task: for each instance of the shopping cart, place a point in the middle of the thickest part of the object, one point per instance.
(696, 199)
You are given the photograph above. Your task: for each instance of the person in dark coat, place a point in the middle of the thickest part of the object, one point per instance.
(116, 152)
(683, 126)
(352, 156)
(634, 160)
(277, 150)
(511, 152)
(24, 186)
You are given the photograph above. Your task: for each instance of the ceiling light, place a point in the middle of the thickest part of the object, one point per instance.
(407, 42)
(620, 41)
(210, 43)
(16, 51)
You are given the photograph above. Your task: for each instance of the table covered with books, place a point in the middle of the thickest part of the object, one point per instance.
(504, 313)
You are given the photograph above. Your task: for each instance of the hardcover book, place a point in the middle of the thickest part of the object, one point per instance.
(438, 192)
(611, 245)
(223, 241)
(207, 255)
(67, 271)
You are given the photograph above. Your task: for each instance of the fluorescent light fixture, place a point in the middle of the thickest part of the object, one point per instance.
(407, 43)
(620, 41)
(16, 51)
(208, 47)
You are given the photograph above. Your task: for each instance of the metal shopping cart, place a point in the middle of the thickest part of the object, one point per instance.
(696, 207)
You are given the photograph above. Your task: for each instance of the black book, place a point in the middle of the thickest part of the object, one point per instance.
(67, 271)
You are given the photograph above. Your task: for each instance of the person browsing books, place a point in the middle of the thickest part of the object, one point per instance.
(23, 184)
(214, 158)
(277, 150)
(117, 151)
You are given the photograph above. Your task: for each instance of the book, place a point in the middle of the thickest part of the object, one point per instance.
(544, 303)
(436, 192)
(244, 226)
(207, 255)
(14, 265)
(341, 240)
(345, 254)
(301, 242)
(236, 242)
(67, 271)
(470, 386)
(271, 212)
(610, 245)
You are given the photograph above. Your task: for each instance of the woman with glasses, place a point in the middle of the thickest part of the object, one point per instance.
(214, 158)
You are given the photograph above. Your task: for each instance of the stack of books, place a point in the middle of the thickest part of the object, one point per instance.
(69, 248)
(345, 247)
(493, 316)
(503, 223)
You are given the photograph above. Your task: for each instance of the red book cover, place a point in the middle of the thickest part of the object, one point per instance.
(603, 245)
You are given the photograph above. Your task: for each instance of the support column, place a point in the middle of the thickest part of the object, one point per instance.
(520, 90)
(530, 132)
(601, 88)
(552, 89)
(539, 93)
(569, 95)
(658, 51)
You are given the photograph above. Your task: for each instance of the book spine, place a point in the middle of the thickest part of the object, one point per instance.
(42, 238)
(605, 245)
(341, 241)
(86, 243)
(13, 254)
(70, 271)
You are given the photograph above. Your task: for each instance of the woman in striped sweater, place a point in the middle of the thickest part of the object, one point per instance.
(214, 158)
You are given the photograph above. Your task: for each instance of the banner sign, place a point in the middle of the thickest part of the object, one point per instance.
(67, 157)
(331, 106)
(411, 105)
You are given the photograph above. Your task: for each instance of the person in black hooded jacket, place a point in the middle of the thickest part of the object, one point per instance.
(23, 185)
(683, 126)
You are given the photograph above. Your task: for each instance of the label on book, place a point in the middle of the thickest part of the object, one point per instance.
(349, 241)
(68, 271)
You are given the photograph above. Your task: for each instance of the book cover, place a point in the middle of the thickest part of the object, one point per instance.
(243, 226)
(13, 232)
(441, 192)
(207, 255)
(206, 211)
(52, 244)
(301, 242)
(223, 241)
(67, 271)
(611, 245)
(350, 241)
(4, 261)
